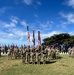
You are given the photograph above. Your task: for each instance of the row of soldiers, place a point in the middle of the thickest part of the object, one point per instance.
(37, 54)
(71, 52)
(28, 55)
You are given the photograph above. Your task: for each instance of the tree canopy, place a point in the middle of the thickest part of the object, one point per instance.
(63, 38)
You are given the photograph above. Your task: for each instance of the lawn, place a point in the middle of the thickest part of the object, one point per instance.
(62, 66)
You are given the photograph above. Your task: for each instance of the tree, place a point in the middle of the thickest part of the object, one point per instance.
(63, 38)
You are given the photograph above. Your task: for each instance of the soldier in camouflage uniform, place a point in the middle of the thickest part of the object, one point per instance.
(57, 53)
(44, 53)
(15, 52)
(49, 53)
(28, 54)
(38, 54)
(33, 56)
(70, 51)
(24, 55)
(9, 53)
(53, 53)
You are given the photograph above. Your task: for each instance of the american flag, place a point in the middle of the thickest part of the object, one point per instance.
(28, 34)
(39, 39)
(33, 38)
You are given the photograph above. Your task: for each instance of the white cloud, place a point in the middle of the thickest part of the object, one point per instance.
(18, 32)
(11, 24)
(24, 23)
(49, 34)
(39, 3)
(70, 3)
(6, 25)
(21, 39)
(28, 2)
(6, 35)
(71, 33)
(69, 17)
(14, 19)
(46, 26)
(10, 35)
(3, 9)
(8, 41)
(62, 24)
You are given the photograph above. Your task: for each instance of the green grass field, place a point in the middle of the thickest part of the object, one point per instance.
(62, 66)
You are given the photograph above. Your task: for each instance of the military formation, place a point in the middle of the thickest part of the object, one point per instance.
(33, 55)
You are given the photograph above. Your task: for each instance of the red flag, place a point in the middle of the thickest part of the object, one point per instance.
(39, 39)
(28, 34)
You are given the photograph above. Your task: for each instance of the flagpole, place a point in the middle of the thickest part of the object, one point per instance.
(28, 35)
(33, 38)
(39, 38)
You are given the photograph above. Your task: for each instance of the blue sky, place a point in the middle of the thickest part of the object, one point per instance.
(49, 16)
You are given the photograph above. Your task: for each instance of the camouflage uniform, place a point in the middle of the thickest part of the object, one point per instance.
(72, 52)
(24, 56)
(12, 50)
(9, 53)
(46, 49)
(44, 56)
(49, 53)
(53, 53)
(28, 55)
(57, 53)
(39, 55)
(33, 56)
(15, 52)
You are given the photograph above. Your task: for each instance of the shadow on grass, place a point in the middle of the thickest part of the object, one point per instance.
(47, 62)
(50, 62)
(59, 57)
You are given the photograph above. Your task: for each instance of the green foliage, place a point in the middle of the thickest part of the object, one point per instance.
(59, 38)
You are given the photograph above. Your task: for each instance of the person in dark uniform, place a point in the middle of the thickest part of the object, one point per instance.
(6, 48)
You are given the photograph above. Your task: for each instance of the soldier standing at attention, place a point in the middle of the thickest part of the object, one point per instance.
(53, 53)
(24, 55)
(44, 55)
(33, 56)
(3, 49)
(28, 55)
(38, 54)
(12, 50)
